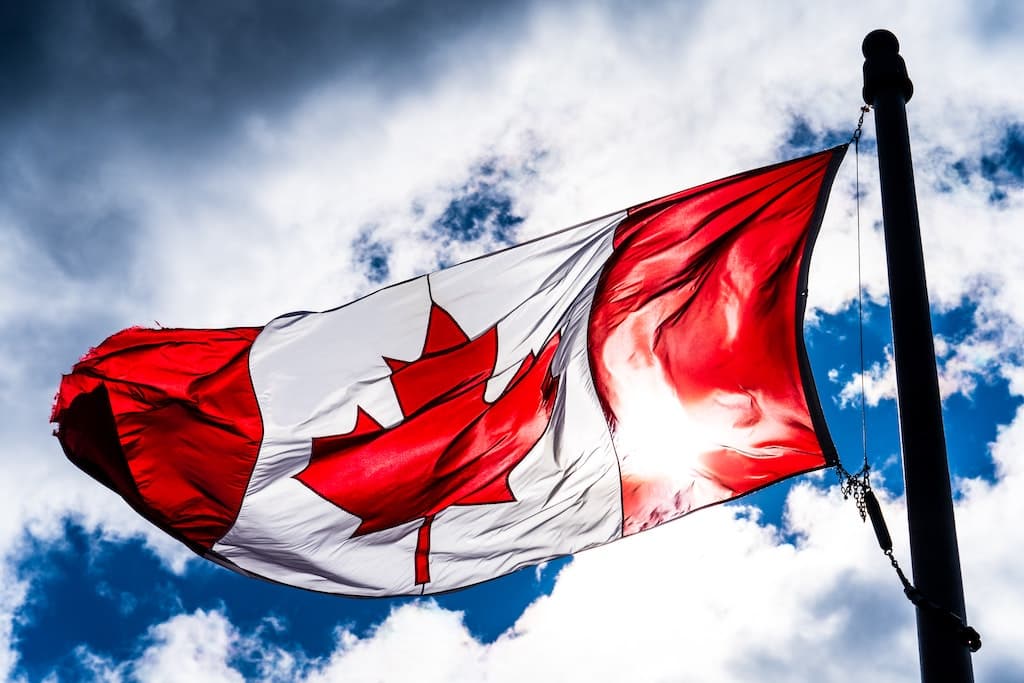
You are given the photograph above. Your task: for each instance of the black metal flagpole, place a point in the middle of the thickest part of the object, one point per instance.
(933, 545)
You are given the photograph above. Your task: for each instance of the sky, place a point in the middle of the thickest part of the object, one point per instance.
(218, 164)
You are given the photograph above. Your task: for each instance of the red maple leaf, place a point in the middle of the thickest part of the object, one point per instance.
(453, 447)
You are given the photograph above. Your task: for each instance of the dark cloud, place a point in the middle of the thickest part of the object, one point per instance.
(91, 89)
(43, 350)
(168, 67)
(85, 242)
(861, 617)
(54, 195)
(996, 21)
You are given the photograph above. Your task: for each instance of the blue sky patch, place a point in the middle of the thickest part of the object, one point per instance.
(372, 256)
(1004, 166)
(123, 590)
(481, 209)
(1001, 165)
(804, 138)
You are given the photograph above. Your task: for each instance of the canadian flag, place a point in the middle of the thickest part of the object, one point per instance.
(449, 429)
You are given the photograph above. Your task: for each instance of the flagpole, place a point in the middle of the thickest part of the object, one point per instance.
(933, 544)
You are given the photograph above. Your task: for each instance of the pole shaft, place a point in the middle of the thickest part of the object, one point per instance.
(933, 543)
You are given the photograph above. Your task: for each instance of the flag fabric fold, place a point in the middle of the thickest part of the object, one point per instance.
(442, 431)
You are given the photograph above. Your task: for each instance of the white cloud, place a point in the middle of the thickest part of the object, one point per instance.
(957, 375)
(12, 594)
(189, 648)
(421, 643)
(719, 598)
(990, 350)
(186, 648)
(875, 384)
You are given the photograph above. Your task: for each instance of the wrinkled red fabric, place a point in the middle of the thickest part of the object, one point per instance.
(703, 285)
(168, 419)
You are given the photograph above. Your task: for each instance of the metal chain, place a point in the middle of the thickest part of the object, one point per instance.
(858, 485)
(860, 124)
(855, 486)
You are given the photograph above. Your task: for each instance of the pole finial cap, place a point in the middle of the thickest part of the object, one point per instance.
(880, 42)
(884, 68)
